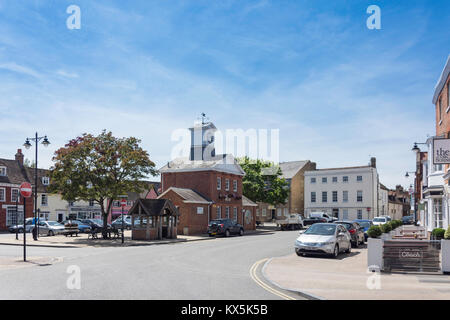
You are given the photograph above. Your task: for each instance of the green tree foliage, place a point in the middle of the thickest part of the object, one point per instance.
(263, 182)
(100, 168)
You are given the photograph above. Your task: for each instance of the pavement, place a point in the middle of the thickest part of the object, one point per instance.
(347, 278)
(82, 240)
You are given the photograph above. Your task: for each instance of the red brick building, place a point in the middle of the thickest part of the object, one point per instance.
(12, 174)
(206, 186)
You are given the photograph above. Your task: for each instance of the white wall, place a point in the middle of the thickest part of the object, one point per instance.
(368, 186)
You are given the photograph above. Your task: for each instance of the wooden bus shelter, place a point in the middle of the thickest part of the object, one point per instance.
(153, 219)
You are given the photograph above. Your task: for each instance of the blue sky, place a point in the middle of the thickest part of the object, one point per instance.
(338, 92)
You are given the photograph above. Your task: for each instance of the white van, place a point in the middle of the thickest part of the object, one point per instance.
(381, 220)
(322, 215)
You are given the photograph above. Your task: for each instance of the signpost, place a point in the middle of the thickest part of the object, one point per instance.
(123, 204)
(25, 192)
(441, 151)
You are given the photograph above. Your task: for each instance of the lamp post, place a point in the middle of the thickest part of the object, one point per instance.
(415, 177)
(123, 204)
(27, 146)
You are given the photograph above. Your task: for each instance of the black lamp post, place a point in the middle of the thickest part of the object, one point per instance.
(27, 146)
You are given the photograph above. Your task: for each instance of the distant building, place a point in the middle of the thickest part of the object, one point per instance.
(293, 173)
(383, 200)
(12, 175)
(206, 186)
(399, 203)
(346, 193)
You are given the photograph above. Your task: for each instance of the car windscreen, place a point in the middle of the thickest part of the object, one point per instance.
(54, 223)
(321, 229)
(365, 224)
(379, 220)
(216, 222)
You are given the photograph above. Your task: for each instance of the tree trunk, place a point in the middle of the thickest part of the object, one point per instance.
(105, 225)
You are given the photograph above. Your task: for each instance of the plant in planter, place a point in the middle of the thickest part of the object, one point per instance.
(374, 232)
(438, 233)
(396, 223)
(386, 228)
(447, 234)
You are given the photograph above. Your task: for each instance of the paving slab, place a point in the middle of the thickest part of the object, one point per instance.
(347, 278)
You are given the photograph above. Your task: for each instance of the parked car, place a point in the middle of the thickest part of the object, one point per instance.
(117, 224)
(408, 220)
(293, 222)
(95, 224)
(224, 227)
(313, 220)
(81, 226)
(324, 238)
(50, 228)
(355, 230)
(381, 220)
(29, 224)
(366, 224)
(322, 215)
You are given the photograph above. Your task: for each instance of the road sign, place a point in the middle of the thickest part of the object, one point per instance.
(123, 203)
(26, 190)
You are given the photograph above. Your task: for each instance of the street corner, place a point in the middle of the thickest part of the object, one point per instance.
(17, 262)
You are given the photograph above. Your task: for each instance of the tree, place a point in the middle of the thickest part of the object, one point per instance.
(263, 182)
(100, 168)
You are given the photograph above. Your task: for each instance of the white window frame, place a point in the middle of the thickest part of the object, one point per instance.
(12, 193)
(279, 211)
(45, 181)
(235, 186)
(324, 180)
(358, 197)
(227, 184)
(313, 180)
(345, 196)
(219, 183)
(227, 212)
(358, 179)
(44, 196)
(200, 210)
(264, 212)
(11, 215)
(3, 197)
(343, 179)
(313, 197)
(324, 196)
(3, 171)
(235, 214)
(334, 193)
(219, 212)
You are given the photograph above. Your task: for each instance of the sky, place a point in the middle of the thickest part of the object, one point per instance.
(338, 92)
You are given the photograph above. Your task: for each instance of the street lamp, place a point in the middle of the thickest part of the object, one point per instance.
(27, 146)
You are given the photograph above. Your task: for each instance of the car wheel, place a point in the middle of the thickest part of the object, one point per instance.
(336, 251)
(51, 233)
(227, 233)
(241, 232)
(349, 249)
(298, 253)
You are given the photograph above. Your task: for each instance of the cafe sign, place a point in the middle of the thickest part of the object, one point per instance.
(441, 151)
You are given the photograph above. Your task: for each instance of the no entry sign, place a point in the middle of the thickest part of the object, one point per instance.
(26, 190)
(123, 203)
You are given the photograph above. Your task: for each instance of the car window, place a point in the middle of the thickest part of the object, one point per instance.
(321, 229)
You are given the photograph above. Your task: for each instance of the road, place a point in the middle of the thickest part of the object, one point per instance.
(211, 269)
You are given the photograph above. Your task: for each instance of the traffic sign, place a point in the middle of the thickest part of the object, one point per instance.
(26, 190)
(123, 203)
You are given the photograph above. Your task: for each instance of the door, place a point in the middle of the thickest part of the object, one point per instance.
(43, 228)
(60, 217)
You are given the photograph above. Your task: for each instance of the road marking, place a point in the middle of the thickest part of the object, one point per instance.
(255, 278)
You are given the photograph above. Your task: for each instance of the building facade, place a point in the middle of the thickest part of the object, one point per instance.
(12, 175)
(345, 193)
(434, 206)
(215, 181)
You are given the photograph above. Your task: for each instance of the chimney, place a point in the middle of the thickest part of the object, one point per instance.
(373, 162)
(19, 156)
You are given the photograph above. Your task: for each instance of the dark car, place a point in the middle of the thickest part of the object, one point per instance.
(356, 231)
(95, 224)
(312, 220)
(408, 220)
(366, 224)
(224, 227)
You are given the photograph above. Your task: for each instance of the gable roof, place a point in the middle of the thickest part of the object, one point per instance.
(289, 169)
(153, 207)
(221, 163)
(246, 202)
(442, 81)
(188, 195)
(15, 172)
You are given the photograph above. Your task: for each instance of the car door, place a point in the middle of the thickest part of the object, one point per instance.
(43, 228)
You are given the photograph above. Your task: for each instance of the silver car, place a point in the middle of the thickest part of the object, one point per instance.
(324, 238)
(50, 228)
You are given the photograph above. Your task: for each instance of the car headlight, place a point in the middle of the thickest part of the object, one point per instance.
(327, 243)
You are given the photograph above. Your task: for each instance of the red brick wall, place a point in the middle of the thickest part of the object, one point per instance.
(29, 208)
(444, 127)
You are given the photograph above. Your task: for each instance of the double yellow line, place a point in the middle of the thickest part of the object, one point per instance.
(255, 278)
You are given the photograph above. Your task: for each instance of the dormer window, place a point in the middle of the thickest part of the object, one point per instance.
(3, 171)
(45, 181)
